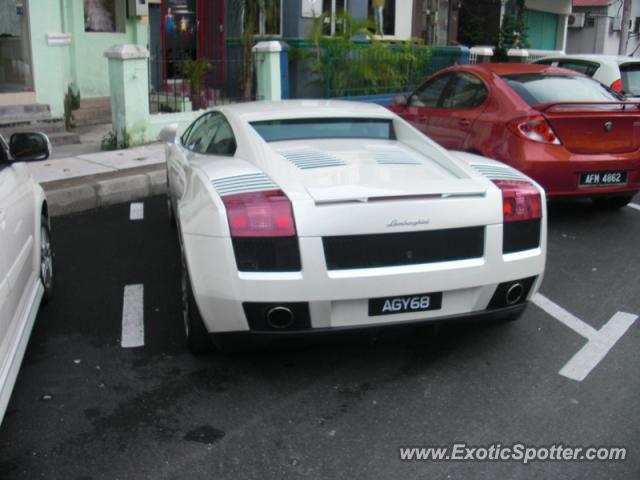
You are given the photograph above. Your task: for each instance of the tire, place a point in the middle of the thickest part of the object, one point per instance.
(46, 259)
(198, 338)
(612, 203)
(172, 217)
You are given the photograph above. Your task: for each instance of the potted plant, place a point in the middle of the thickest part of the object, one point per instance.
(195, 71)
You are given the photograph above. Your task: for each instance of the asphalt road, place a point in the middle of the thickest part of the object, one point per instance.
(84, 407)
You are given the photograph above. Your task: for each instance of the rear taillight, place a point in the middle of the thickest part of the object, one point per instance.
(520, 200)
(522, 214)
(534, 128)
(260, 214)
(617, 87)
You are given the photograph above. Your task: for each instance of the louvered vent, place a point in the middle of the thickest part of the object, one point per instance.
(394, 156)
(249, 182)
(308, 158)
(496, 172)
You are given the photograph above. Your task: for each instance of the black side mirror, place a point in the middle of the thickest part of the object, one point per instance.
(29, 147)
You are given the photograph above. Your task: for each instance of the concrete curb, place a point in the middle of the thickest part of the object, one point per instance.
(84, 193)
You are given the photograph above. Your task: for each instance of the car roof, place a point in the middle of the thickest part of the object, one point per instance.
(599, 58)
(283, 109)
(514, 68)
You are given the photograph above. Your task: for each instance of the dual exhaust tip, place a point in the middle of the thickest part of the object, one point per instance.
(514, 294)
(281, 317)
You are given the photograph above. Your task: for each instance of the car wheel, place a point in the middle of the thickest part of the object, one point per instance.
(612, 203)
(46, 259)
(172, 217)
(198, 338)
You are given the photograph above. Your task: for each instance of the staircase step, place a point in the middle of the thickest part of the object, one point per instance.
(63, 138)
(19, 111)
(91, 116)
(50, 125)
(95, 102)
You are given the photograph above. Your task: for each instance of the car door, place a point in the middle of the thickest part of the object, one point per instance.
(17, 232)
(423, 101)
(5, 310)
(462, 102)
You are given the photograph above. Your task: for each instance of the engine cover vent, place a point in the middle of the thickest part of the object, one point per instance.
(245, 183)
(309, 158)
(495, 172)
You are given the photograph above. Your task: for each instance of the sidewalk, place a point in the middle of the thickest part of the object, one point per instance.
(88, 180)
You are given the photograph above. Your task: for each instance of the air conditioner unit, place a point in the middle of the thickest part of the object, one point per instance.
(616, 26)
(576, 20)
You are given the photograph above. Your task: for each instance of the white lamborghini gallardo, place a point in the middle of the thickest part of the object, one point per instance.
(305, 217)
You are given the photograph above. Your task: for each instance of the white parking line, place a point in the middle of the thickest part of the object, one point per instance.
(599, 341)
(133, 317)
(136, 211)
(634, 205)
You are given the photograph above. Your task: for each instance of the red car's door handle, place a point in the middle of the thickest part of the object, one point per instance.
(464, 122)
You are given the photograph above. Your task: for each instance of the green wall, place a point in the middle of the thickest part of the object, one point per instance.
(88, 64)
(81, 62)
(51, 64)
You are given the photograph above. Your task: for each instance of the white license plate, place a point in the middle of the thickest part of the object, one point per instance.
(595, 179)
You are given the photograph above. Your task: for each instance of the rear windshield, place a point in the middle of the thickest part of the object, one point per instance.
(631, 78)
(310, 128)
(537, 88)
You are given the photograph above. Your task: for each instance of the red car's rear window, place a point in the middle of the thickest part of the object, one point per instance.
(537, 88)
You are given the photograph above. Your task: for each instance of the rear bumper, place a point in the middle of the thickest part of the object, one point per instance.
(253, 339)
(339, 299)
(561, 178)
(558, 170)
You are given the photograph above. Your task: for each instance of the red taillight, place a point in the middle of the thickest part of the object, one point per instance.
(534, 128)
(617, 87)
(520, 200)
(260, 214)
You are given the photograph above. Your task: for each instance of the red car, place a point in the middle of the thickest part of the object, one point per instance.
(573, 135)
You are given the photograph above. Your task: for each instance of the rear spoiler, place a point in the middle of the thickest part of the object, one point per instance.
(551, 106)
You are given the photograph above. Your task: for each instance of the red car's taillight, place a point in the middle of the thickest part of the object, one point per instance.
(520, 200)
(534, 128)
(260, 214)
(617, 87)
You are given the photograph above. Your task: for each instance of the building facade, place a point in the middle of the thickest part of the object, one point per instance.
(596, 26)
(47, 45)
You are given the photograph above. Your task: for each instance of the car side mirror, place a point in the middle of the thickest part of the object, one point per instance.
(168, 133)
(400, 100)
(29, 147)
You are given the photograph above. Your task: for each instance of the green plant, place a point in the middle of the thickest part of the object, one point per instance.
(74, 92)
(196, 71)
(69, 122)
(356, 61)
(249, 12)
(111, 141)
(513, 32)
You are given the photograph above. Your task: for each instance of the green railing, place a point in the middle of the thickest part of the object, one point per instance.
(365, 71)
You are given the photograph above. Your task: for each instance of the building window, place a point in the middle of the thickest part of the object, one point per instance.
(383, 13)
(105, 16)
(268, 21)
(334, 20)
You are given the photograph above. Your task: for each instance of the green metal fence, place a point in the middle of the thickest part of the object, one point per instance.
(365, 70)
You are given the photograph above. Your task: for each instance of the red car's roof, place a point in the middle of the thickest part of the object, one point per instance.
(514, 68)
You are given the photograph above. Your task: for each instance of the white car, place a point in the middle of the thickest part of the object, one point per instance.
(306, 217)
(620, 73)
(26, 259)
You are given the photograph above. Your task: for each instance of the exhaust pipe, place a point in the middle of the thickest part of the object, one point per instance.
(514, 293)
(280, 317)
